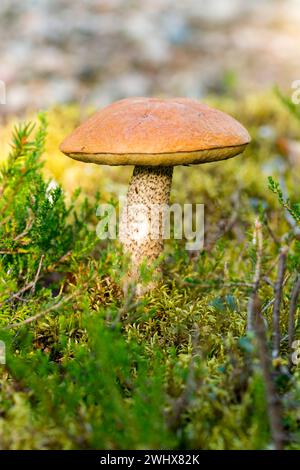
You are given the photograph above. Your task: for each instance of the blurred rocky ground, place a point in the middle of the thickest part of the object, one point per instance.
(97, 51)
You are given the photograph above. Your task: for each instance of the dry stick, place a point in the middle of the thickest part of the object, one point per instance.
(273, 402)
(51, 268)
(37, 275)
(31, 285)
(278, 288)
(41, 314)
(17, 295)
(268, 281)
(271, 302)
(257, 274)
(292, 312)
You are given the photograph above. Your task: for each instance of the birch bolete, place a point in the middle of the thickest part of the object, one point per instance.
(154, 135)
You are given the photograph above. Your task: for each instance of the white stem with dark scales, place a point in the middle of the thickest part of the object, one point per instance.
(141, 226)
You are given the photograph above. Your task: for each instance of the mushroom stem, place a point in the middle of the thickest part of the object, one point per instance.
(141, 225)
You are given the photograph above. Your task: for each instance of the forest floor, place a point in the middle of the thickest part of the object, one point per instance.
(87, 367)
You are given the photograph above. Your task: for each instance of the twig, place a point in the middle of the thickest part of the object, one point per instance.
(41, 314)
(31, 285)
(273, 402)
(21, 299)
(17, 295)
(268, 281)
(57, 263)
(292, 311)
(258, 238)
(37, 275)
(271, 302)
(278, 288)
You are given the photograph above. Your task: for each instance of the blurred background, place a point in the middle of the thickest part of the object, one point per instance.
(97, 51)
(73, 57)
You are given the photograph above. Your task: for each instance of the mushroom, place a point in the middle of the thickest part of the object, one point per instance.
(154, 135)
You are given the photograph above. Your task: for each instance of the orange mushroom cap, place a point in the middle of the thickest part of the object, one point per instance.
(156, 132)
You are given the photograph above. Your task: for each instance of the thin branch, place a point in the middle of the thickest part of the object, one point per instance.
(292, 312)
(273, 402)
(41, 314)
(31, 285)
(278, 288)
(271, 302)
(17, 295)
(268, 281)
(258, 238)
(60, 261)
(37, 275)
